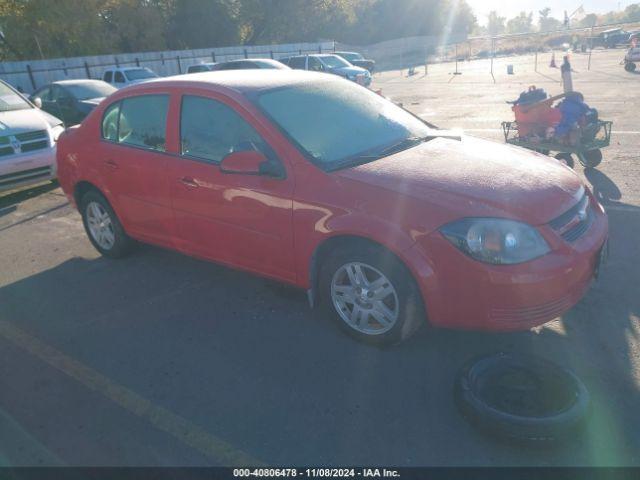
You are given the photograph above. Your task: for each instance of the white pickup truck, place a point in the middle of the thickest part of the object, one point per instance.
(28, 139)
(123, 76)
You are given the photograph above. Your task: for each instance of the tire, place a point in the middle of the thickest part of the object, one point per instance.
(590, 159)
(630, 66)
(337, 290)
(93, 203)
(566, 158)
(521, 398)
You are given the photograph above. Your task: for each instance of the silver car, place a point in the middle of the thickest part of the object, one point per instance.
(27, 141)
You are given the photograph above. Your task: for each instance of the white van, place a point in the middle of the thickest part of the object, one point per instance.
(121, 77)
(28, 139)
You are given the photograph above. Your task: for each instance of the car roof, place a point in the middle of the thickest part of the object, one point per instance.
(124, 69)
(242, 81)
(78, 81)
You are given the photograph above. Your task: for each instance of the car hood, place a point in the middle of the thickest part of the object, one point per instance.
(27, 120)
(476, 177)
(349, 70)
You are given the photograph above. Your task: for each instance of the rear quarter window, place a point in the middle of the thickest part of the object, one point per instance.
(110, 122)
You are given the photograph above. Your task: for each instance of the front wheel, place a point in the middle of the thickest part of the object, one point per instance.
(103, 227)
(566, 158)
(630, 66)
(371, 295)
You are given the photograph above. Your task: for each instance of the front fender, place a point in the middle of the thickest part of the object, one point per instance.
(325, 226)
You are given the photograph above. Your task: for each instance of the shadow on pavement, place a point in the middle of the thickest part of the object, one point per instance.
(14, 198)
(248, 362)
(604, 189)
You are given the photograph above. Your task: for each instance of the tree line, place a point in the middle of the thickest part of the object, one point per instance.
(63, 28)
(525, 22)
(32, 29)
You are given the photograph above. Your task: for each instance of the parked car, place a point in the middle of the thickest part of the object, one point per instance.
(200, 67)
(330, 64)
(355, 58)
(253, 63)
(121, 77)
(611, 38)
(71, 100)
(312, 180)
(27, 141)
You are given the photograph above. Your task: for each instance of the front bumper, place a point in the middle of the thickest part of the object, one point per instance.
(27, 168)
(460, 292)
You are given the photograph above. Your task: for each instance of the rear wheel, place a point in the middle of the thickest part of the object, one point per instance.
(371, 294)
(103, 227)
(590, 159)
(630, 66)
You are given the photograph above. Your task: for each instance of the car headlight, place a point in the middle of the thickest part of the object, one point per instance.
(496, 240)
(56, 132)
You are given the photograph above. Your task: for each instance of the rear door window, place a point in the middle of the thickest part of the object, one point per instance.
(119, 77)
(297, 62)
(108, 76)
(142, 121)
(315, 64)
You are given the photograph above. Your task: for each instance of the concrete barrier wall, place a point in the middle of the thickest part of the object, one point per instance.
(32, 74)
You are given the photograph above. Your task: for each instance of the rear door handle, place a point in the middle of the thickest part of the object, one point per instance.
(111, 164)
(189, 182)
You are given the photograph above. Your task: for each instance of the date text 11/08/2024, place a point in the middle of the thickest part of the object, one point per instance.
(316, 472)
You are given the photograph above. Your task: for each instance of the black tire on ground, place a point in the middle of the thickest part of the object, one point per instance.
(123, 243)
(590, 159)
(630, 66)
(411, 312)
(522, 398)
(567, 158)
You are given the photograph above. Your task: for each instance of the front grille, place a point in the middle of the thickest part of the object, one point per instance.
(6, 151)
(28, 136)
(24, 175)
(579, 229)
(575, 222)
(29, 142)
(30, 147)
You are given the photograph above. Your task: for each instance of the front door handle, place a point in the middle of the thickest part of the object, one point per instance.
(111, 164)
(189, 182)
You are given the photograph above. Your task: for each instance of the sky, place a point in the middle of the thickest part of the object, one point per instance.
(510, 9)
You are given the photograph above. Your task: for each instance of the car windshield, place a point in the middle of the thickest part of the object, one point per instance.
(333, 61)
(85, 91)
(140, 74)
(340, 124)
(10, 100)
(351, 56)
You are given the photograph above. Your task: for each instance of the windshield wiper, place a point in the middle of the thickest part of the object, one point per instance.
(396, 147)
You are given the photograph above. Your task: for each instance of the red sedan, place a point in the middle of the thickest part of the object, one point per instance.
(315, 181)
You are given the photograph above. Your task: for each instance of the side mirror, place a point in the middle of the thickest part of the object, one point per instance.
(37, 101)
(248, 162)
